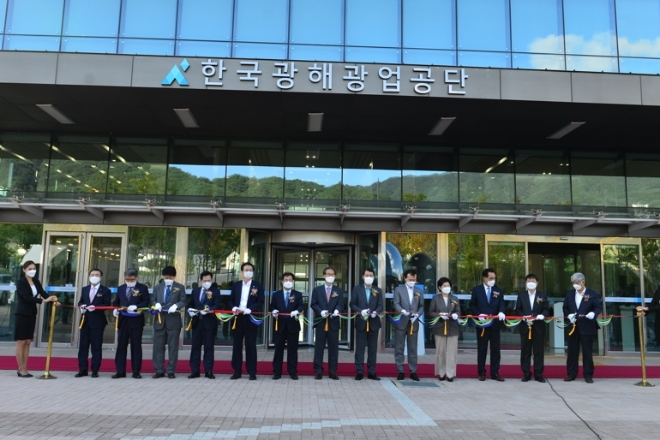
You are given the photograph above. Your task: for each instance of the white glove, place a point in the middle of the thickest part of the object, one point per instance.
(294, 313)
(324, 313)
(172, 309)
(374, 314)
(540, 317)
(158, 307)
(454, 316)
(571, 318)
(590, 315)
(132, 308)
(234, 310)
(203, 312)
(405, 313)
(482, 318)
(83, 309)
(336, 313)
(364, 313)
(91, 308)
(115, 313)
(191, 312)
(414, 318)
(247, 311)
(275, 313)
(445, 317)
(501, 316)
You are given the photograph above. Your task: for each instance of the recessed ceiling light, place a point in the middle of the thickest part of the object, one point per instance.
(187, 118)
(314, 121)
(565, 130)
(55, 113)
(441, 126)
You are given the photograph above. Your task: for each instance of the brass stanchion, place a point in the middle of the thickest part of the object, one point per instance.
(47, 374)
(642, 347)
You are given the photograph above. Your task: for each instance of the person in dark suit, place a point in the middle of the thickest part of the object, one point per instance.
(446, 331)
(533, 305)
(325, 298)
(367, 300)
(581, 306)
(203, 300)
(93, 323)
(285, 306)
(488, 300)
(29, 293)
(408, 300)
(654, 307)
(132, 296)
(246, 296)
(169, 301)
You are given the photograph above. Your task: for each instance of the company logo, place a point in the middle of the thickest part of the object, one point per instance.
(177, 75)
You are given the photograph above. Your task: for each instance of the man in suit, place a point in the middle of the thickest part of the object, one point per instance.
(581, 306)
(132, 296)
(246, 296)
(325, 298)
(169, 300)
(409, 302)
(93, 322)
(203, 300)
(533, 305)
(488, 300)
(367, 300)
(654, 307)
(285, 306)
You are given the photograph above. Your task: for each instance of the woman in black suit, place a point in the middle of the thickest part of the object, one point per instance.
(29, 293)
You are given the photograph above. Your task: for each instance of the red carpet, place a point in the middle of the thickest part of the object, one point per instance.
(37, 364)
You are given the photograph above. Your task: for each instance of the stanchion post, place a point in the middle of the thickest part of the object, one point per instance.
(642, 348)
(47, 374)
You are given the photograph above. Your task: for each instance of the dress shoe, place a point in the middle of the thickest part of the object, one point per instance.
(318, 376)
(569, 378)
(450, 379)
(81, 373)
(25, 375)
(137, 376)
(588, 380)
(209, 375)
(95, 374)
(526, 378)
(333, 376)
(359, 376)
(158, 375)
(235, 376)
(482, 377)
(277, 376)
(293, 376)
(373, 376)
(400, 376)
(540, 379)
(171, 376)
(442, 377)
(193, 375)
(118, 375)
(498, 378)
(414, 377)
(253, 377)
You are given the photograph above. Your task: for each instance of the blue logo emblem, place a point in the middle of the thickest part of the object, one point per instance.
(177, 75)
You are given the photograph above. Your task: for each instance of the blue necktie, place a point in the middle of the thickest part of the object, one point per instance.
(488, 294)
(128, 292)
(167, 293)
(201, 296)
(367, 292)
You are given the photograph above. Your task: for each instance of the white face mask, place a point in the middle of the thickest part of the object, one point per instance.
(490, 283)
(577, 286)
(248, 274)
(131, 284)
(368, 281)
(168, 282)
(31, 273)
(206, 285)
(94, 280)
(446, 290)
(288, 284)
(531, 286)
(410, 283)
(330, 280)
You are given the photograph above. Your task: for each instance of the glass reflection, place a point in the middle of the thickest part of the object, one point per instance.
(269, 25)
(508, 261)
(373, 23)
(316, 53)
(592, 64)
(320, 22)
(643, 180)
(23, 163)
(99, 18)
(639, 65)
(255, 170)
(203, 48)
(146, 47)
(373, 55)
(378, 176)
(79, 165)
(430, 174)
(197, 168)
(542, 178)
(590, 27)
(486, 178)
(313, 172)
(263, 51)
(429, 57)
(28, 42)
(138, 166)
(537, 26)
(500, 60)
(429, 24)
(89, 45)
(597, 179)
(484, 25)
(537, 61)
(638, 28)
(466, 261)
(205, 19)
(148, 18)
(651, 264)
(21, 17)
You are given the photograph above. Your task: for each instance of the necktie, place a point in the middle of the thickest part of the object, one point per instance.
(128, 292)
(327, 294)
(167, 293)
(488, 294)
(201, 295)
(367, 292)
(286, 299)
(92, 294)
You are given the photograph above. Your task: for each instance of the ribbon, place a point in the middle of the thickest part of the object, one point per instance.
(529, 333)
(82, 321)
(326, 324)
(257, 321)
(573, 329)
(277, 320)
(189, 326)
(445, 327)
(233, 327)
(367, 325)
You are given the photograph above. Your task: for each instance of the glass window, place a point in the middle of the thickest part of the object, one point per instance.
(373, 55)
(638, 28)
(651, 264)
(89, 45)
(23, 163)
(79, 164)
(430, 174)
(466, 261)
(316, 53)
(643, 180)
(537, 61)
(372, 172)
(148, 18)
(261, 51)
(483, 25)
(25, 42)
(98, 18)
(319, 22)
(255, 170)
(205, 19)
(590, 27)
(429, 24)
(508, 262)
(598, 179)
(429, 57)
(3, 14)
(639, 65)
(197, 168)
(263, 21)
(313, 173)
(146, 47)
(542, 178)
(485, 59)
(537, 26)
(486, 176)
(373, 23)
(592, 64)
(203, 48)
(22, 17)
(137, 166)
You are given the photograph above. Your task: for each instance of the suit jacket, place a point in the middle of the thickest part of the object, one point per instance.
(103, 297)
(294, 302)
(655, 305)
(208, 321)
(255, 301)
(479, 301)
(178, 297)
(590, 303)
(26, 304)
(402, 302)
(320, 302)
(437, 307)
(524, 308)
(139, 297)
(359, 302)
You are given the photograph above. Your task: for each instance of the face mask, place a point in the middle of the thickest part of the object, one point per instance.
(446, 290)
(169, 282)
(131, 284)
(248, 275)
(577, 286)
(368, 281)
(94, 280)
(330, 280)
(410, 283)
(31, 273)
(491, 283)
(288, 284)
(206, 285)
(531, 286)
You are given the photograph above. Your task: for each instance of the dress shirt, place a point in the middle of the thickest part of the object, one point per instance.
(245, 293)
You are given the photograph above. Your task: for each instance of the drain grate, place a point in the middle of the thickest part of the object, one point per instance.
(415, 384)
